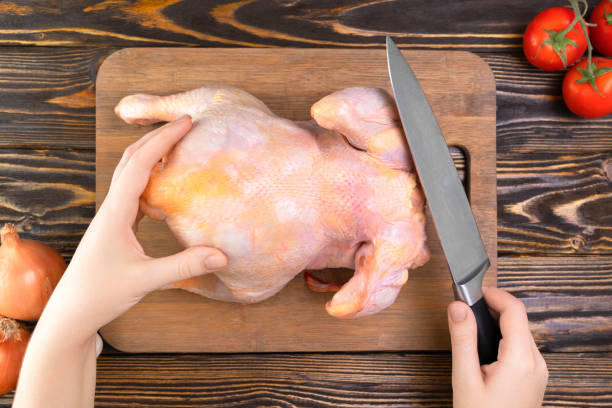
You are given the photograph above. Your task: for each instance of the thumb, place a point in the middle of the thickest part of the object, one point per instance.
(186, 264)
(462, 327)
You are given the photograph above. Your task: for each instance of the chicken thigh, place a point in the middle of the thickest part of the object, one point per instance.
(278, 197)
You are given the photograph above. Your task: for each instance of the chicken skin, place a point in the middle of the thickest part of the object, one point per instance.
(278, 197)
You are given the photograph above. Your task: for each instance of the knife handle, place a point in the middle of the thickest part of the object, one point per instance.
(488, 333)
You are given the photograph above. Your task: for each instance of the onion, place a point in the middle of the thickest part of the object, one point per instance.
(14, 338)
(29, 271)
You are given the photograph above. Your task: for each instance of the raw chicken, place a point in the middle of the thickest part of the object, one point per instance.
(279, 196)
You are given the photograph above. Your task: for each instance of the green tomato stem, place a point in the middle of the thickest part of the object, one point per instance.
(559, 40)
(577, 17)
(591, 72)
(607, 16)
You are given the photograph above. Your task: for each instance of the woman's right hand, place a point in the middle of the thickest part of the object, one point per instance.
(519, 376)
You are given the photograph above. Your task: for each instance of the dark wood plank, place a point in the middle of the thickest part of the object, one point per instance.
(320, 380)
(554, 169)
(568, 299)
(325, 380)
(554, 203)
(48, 101)
(48, 194)
(472, 25)
(48, 97)
(532, 117)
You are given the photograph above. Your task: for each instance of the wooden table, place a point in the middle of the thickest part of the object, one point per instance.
(554, 187)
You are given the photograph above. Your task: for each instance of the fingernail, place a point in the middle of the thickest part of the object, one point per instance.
(457, 312)
(215, 261)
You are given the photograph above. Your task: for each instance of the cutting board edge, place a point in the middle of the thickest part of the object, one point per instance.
(117, 343)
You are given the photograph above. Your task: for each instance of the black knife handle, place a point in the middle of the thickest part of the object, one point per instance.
(488, 333)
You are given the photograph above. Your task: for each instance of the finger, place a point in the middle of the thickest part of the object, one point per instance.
(513, 323)
(136, 146)
(535, 352)
(462, 327)
(494, 314)
(129, 151)
(186, 264)
(125, 193)
(538, 357)
(139, 216)
(137, 170)
(541, 363)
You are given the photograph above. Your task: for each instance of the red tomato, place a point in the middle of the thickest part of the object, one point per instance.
(541, 38)
(601, 35)
(581, 98)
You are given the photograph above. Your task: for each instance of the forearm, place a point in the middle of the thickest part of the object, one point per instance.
(59, 367)
(56, 374)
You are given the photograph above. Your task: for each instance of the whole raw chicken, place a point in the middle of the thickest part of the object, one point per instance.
(279, 196)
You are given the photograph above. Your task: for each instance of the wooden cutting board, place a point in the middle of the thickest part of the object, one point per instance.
(461, 89)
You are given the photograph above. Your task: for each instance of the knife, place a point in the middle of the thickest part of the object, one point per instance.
(461, 242)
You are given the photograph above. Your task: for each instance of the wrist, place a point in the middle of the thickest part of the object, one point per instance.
(62, 328)
(62, 335)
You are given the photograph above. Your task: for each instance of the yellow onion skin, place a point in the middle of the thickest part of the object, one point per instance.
(29, 271)
(14, 339)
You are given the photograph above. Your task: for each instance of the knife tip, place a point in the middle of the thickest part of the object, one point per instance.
(391, 46)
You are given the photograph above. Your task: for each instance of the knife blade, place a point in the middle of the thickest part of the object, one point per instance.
(453, 218)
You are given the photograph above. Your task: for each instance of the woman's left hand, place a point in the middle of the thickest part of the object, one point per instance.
(110, 272)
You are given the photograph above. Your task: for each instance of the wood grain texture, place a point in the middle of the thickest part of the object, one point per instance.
(289, 81)
(476, 24)
(48, 101)
(48, 194)
(562, 203)
(321, 380)
(47, 97)
(532, 117)
(568, 299)
(554, 178)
